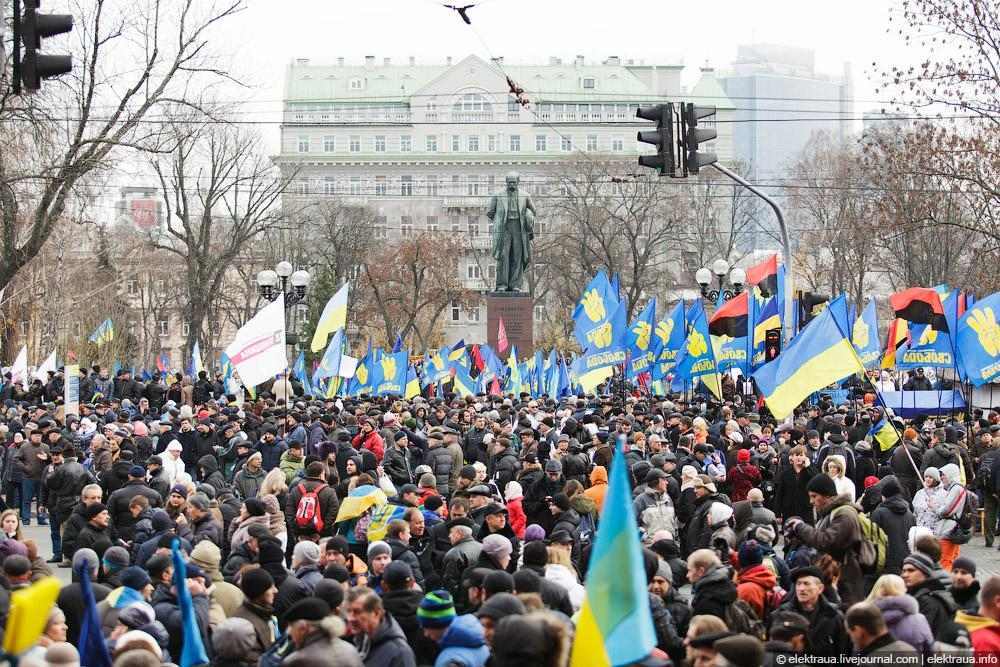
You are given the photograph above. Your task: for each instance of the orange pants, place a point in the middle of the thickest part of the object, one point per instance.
(949, 552)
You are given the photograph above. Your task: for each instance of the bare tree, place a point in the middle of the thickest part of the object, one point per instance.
(132, 58)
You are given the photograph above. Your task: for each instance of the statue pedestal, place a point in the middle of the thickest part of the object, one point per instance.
(518, 313)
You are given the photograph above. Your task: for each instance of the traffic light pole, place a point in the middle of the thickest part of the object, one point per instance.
(786, 248)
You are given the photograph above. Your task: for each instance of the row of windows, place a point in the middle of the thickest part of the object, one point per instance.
(462, 111)
(162, 328)
(456, 143)
(473, 314)
(409, 186)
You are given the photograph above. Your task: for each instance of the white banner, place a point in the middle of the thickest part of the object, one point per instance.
(19, 371)
(42, 372)
(348, 365)
(258, 351)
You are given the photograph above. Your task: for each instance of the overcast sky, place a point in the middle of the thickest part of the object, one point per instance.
(269, 33)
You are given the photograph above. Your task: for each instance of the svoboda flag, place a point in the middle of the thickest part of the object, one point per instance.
(258, 352)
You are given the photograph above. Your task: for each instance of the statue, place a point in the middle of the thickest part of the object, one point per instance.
(513, 217)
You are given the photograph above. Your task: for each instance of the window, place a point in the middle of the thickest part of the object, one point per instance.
(355, 185)
(406, 226)
(164, 327)
(473, 314)
(380, 143)
(540, 142)
(329, 185)
(545, 110)
(491, 272)
(539, 312)
(617, 144)
(380, 227)
(303, 144)
(24, 327)
(589, 83)
(432, 223)
(456, 143)
(354, 273)
(456, 186)
(515, 143)
(405, 143)
(473, 225)
(433, 186)
(381, 186)
(406, 186)
(456, 312)
(355, 144)
(329, 144)
(472, 186)
(513, 107)
(185, 329)
(584, 112)
(591, 142)
(474, 144)
(566, 144)
(472, 106)
(491, 143)
(456, 224)
(357, 84)
(473, 272)
(302, 187)
(432, 111)
(621, 111)
(132, 286)
(161, 285)
(432, 143)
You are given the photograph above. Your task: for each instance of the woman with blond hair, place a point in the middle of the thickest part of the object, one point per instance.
(835, 466)
(560, 570)
(901, 613)
(10, 523)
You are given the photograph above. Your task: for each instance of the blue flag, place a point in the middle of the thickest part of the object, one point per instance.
(670, 334)
(865, 337)
(192, 647)
(390, 374)
(594, 310)
(299, 369)
(643, 345)
(92, 647)
(929, 347)
(696, 359)
(978, 341)
(398, 345)
(329, 365)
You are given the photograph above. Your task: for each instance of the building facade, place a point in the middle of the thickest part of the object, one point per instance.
(426, 145)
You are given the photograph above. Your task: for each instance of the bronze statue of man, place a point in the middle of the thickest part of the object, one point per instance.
(513, 216)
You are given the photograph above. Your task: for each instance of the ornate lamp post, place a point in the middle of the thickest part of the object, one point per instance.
(720, 267)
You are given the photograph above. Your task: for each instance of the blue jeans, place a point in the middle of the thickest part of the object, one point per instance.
(29, 488)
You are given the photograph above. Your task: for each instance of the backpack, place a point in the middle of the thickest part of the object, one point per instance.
(307, 512)
(741, 619)
(874, 544)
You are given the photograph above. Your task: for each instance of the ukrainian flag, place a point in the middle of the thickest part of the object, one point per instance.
(615, 625)
(884, 434)
(767, 319)
(820, 355)
(104, 333)
(464, 384)
(412, 384)
(359, 501)
(514, 381)
(457, 357)
(381, 516)
(334, 317)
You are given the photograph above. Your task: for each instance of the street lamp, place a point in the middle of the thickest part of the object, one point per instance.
(272, 283)
(720, 267)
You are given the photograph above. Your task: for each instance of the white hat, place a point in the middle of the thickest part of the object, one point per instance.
(175, 446)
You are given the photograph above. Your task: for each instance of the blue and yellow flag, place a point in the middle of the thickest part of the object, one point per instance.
(192, 648)
(464, 385)
(359, 501)
(819, 356)
(412, 389)
(696, 360)
(643, 345)
(514, 381)
(329, 365)
(457, 356)
(361, 383)
(196, 364)
(884, 434)
(381, 516)
(594, 311)
(104, 333)
(333, 317)
(390, 374)
(299, 369)
(978, 341)
(865, 337)
(670, 334)
(928, 346)
(615, 625)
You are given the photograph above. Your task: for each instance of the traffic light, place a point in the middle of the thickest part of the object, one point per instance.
(772, 344)
(693, 135)
(810, 305)
(662, 137)
(30, 28)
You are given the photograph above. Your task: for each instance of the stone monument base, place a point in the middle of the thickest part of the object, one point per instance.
(518, 313)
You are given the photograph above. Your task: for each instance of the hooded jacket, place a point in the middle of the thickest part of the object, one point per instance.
(655, 512)
(713, 593)
(939, 456)
(896, 519)
(838, 533)
(463, 644)
(902, 617)
(984, 632)
(247, 483)
(212, 475)
(598, 486)
(753, 585)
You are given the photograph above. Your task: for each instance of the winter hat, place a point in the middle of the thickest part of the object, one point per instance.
(719, 513)
(553, 465)
(308, 609)
(175, 446)
(750, 554)
(306, 553)
(256, 582)
(513, 491)
(891, 488)
(90, 511)
(823, 485)
(331, 592)
(870, 481)
(497, 545)
(378, 548)
(437, 610)
(534, 533)
(921, 562)
(135, 578)
(498, 581)
(743, 456)
(467, 472)
(741, 650)
(62, 654)
(116, 558)
(180, 489)
(536, 553)
(136, 471)
(234, 638)
(951, 471)
(965, 564)
(910, 433)
(764, 535)
(397, 575)
(500, 606)
(933, 473)
(136, 615)
(255, 507)
(561, 500)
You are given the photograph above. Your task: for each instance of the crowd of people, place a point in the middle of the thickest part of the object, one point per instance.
(458, 531)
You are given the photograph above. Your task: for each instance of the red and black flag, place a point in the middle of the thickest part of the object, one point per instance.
(920, 305)
(765, 275)
(731, 319)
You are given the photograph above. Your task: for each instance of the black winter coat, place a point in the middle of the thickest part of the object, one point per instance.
(119, 501)
(713, 593)
(896, 519)
(790, 495)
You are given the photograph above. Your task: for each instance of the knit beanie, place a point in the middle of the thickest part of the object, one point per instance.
(256, 582)
(965, 564)
(743, 456)
(921, 562)
(437, 610)
(870, 481)
(534, 533)
(823, 485)
(378, 548)
(306, 553)
(750, 554)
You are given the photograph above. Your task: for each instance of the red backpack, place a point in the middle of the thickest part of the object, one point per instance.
(307, 513)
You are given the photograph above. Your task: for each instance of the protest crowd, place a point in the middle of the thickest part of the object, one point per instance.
(459, 531)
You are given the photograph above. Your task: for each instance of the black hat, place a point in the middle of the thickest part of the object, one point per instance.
(807, 571)
(561, 500)
(90, 511)
(397, 575)
(501, 605)
(468, 472)
(307, 609)
(256, 582)
(787, 624)
(494, 508)
(561, 537)
(408, 488)
(823, 485)
(480, 490)
(654, 475)
(255, 507)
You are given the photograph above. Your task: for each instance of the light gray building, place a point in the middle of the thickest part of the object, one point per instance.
(425, 145)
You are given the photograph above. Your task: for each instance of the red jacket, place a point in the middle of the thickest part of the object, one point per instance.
(754, 585)
(742, 477)
(516, 517)
(372, 442)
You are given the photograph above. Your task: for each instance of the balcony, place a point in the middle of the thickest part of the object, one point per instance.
(465, 202)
